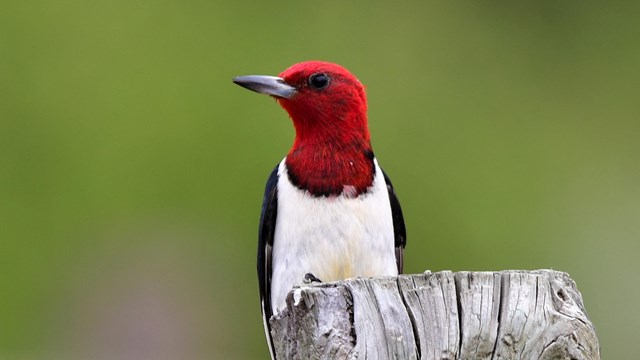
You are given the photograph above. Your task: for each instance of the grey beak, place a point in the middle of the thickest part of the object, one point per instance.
(269, 85)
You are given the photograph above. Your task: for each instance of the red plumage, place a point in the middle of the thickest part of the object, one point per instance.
(332, 150)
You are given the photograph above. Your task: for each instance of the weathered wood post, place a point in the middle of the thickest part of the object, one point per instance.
(444, 315)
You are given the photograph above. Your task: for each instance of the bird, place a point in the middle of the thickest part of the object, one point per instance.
(329, 211)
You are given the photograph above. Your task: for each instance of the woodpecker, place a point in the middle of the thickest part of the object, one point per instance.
(329, 211)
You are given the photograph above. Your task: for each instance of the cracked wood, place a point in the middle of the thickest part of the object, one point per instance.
(444, 315)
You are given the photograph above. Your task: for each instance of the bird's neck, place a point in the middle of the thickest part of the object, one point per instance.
(331, 161)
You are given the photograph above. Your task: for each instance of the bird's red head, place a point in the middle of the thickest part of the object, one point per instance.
(329, 103)
(331, 153)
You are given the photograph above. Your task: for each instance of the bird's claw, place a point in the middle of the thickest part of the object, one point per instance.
(309, 278)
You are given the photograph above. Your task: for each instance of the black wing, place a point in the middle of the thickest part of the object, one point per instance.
(399, 230)
(265, 244)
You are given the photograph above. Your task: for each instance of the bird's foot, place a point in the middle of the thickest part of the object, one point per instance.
(309, 278)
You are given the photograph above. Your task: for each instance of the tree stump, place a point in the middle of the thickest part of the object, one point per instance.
(444, 315)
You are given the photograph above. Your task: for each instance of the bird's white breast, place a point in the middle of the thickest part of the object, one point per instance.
(333, 238)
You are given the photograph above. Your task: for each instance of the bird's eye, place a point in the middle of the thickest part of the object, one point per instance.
(319, 81)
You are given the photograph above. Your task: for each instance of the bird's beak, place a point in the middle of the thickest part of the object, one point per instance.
(269, 85)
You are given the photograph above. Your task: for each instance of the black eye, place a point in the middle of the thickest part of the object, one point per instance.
(319, 81)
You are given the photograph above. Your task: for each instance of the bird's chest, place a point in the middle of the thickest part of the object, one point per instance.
(326, 237)
(334, 237)
(326, 169)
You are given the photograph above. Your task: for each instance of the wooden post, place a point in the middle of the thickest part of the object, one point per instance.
(444, 315)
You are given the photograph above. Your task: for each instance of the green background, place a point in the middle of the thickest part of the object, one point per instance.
(132, 169)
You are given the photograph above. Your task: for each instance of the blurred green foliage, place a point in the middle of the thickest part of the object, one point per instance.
(132, 169)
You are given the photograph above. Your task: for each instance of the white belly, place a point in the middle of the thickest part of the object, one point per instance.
(333, 238)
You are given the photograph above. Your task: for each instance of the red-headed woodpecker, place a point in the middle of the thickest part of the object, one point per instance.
(329, 211)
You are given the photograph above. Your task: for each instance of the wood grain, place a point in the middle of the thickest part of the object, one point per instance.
(466, 315)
